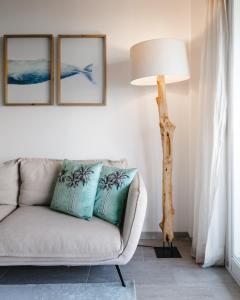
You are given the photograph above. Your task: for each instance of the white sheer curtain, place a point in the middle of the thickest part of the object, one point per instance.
(210, 204)
(234, 141)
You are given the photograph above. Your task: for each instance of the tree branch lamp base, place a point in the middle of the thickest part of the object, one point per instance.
(166, 129)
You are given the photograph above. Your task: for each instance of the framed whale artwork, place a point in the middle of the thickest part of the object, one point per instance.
(81, 70)
(28, 69)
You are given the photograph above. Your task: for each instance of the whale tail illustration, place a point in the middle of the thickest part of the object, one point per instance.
(24, 72)
(87, 71)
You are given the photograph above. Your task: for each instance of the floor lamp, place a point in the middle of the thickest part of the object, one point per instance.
(159, 62)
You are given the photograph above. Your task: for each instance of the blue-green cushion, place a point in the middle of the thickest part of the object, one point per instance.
(112, 193)
(76, 188)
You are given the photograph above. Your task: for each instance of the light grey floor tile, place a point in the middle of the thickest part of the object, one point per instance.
(199, 276)
(138, 255)
(227, 292)
(147, 272)
(149, 291)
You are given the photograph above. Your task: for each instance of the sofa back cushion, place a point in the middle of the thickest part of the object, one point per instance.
(39, 176)
(9, 183)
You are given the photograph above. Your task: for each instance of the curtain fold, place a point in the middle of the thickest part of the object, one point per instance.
(210, 197)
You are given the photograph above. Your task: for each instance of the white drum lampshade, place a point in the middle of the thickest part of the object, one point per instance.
(159, 57)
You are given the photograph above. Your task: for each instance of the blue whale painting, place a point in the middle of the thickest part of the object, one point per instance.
(23, 72)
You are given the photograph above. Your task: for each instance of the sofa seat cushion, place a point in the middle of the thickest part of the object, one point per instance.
(6, 210)
(37, 231)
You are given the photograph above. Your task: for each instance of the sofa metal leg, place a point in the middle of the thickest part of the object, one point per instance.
(120, 275)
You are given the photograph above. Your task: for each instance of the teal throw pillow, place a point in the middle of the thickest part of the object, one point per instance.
(76, 188)
(112, 193)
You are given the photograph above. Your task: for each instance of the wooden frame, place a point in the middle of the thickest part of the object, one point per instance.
(5, 69)
(59, 54)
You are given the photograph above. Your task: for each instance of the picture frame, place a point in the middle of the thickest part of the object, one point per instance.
(81, 70)
(28, 69)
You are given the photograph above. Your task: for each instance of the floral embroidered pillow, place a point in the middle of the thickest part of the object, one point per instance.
(112, 193)
(76, 188)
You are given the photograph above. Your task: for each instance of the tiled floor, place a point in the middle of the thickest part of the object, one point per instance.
(155, 278)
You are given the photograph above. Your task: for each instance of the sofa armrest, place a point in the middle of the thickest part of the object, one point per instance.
(134, 218)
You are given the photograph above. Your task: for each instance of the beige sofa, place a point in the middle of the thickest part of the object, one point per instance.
(32, 234)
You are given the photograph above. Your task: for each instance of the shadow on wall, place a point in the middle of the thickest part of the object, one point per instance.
(119, 88)
(179, 88)
(138, 98)
(152, 151)
(119, 74)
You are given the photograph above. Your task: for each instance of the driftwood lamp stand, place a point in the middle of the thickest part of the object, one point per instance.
(159, 62)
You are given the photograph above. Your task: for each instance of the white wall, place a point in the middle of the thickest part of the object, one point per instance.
(128, 125)
(198, 14)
